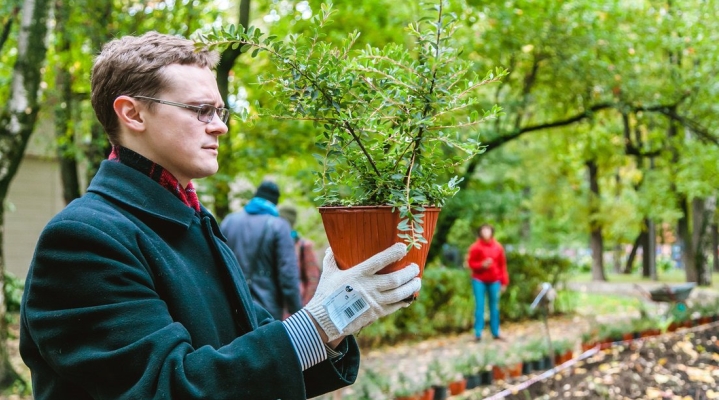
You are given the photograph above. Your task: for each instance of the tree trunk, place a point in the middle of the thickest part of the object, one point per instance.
(629, 266)
(685, 240)
(63, 110)
(702, 221)
(617, 258)
(450, 213)
(99, 148)
(596, 240)
(695, 242)
(649, 256)
(715, 246)
(227, 61)
(17, 122)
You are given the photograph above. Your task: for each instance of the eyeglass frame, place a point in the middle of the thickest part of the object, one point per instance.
(197, 108)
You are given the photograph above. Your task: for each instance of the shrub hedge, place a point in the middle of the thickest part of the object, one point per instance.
(446, 303)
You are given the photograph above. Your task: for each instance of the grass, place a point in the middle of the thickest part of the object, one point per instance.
(584, 303)
(670, 276)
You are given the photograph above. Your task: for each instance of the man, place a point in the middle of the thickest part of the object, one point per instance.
(133, 293)
(264, 248)
(309, 268)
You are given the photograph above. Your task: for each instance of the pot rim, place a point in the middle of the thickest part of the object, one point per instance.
(362, 208)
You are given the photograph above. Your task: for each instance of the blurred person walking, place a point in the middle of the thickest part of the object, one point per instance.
(309, 267)
(264, 248)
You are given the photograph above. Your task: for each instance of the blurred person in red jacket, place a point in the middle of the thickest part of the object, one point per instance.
(487, 261)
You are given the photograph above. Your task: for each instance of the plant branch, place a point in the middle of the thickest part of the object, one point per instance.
(386, 75)
(8, 26)
(328, 98)
(498, 141)
(427, 99)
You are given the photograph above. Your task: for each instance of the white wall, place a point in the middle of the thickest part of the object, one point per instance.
(35, 196)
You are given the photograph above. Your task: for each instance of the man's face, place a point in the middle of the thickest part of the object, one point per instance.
(174, 137)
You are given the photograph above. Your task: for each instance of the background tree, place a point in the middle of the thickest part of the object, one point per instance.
(17, 122)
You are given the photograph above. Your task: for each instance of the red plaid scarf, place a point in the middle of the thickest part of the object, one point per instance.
(157, 173)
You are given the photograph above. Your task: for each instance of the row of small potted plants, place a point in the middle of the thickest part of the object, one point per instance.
(646, 326)
(444, 379)
(449, 377)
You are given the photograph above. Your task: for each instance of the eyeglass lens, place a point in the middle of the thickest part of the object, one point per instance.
(207, 111)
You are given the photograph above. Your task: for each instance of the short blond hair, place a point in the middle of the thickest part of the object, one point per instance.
(133, 66)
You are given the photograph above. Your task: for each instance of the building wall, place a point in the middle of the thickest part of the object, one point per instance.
(35, 196)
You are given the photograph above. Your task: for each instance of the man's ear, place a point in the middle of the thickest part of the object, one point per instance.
(128, 111)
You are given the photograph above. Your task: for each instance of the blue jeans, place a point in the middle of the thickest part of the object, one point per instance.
(490, 289)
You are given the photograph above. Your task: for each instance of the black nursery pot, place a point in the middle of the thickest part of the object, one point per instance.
(548, 362)
(472, 381)
(440, 392)
(537, 365)
(527, 367)
(485, 377)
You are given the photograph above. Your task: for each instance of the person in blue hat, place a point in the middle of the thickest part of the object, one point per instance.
(265, 249)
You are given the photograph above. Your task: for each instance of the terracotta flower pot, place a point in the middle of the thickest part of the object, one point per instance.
(499, 373)
(605, 344)
(627, 337)
(457, 387)
(515, 370)
(410, 397)
(588, 346)
(357, 233)
(428, 394)
(562, 358)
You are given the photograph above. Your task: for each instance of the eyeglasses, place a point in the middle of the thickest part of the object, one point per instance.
(205, 112)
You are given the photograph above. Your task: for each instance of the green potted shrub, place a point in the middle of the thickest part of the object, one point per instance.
(392, 124)
(469, 366)
(373, 385)
(487, 360)
(707, 310)
(457, 384)
(440, 374)
(589, 339)
(562, 351)
(534, 353)
(405, 388)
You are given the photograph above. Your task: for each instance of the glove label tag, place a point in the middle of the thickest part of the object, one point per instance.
(344, 305)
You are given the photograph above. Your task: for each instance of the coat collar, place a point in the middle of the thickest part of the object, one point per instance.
(138, 191)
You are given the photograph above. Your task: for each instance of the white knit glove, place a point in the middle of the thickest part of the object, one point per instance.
(348, 300)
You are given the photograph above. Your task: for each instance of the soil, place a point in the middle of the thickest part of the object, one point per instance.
(682, 365)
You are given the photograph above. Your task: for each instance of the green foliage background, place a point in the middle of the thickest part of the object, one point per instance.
(446, 303)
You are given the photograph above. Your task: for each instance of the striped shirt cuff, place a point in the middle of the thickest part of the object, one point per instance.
(306, 340)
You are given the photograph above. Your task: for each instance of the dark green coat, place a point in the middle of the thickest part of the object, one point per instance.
(133, 295)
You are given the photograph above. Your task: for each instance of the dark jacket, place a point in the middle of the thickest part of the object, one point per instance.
(133, 295)
(265, 249)
(496, 270)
